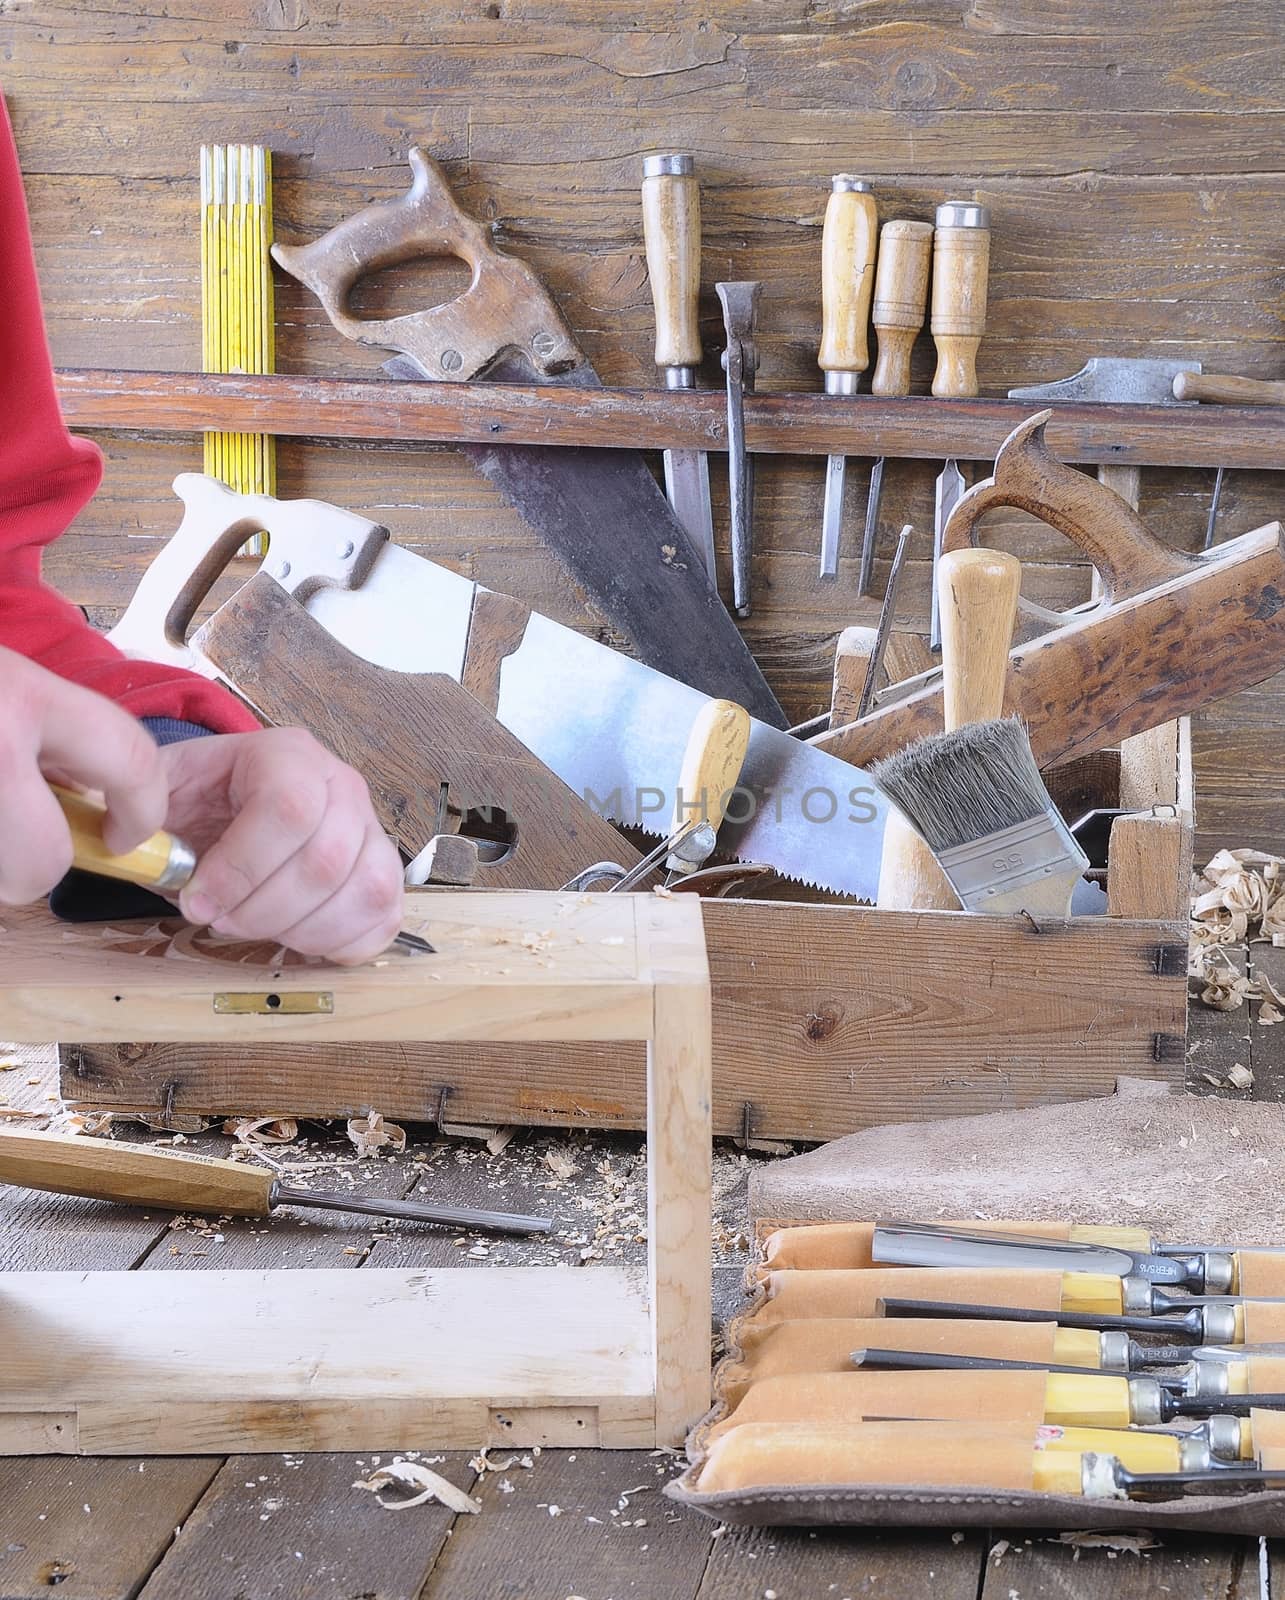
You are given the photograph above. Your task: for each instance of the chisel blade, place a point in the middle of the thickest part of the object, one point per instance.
(949, 488)
(687, 490)
(832, 515)
(870, 533)
(927, 1245)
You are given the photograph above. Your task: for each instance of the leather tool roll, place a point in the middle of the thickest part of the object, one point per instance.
(792, 1295)
(1258, 1322)
(1260, 1273)
(921, 1454)
(825, 1344)
(819, 1397)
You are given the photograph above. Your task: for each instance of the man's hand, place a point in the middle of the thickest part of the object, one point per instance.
(52, 729)
(288, 845)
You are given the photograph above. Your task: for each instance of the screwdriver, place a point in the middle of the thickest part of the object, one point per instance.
(900, 305)
(162, 863)
(961, 262)
(672, 233)
(140, 1175)
(849, 238)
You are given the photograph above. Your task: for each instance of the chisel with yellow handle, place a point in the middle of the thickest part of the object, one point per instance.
(1217, 1319)
(143, 1175)
(1051, 1296)
(923, 1455)
(1204, 1269)
(1013, 1394)
(162, 863)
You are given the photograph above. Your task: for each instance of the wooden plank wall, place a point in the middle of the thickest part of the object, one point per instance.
(1130, 154)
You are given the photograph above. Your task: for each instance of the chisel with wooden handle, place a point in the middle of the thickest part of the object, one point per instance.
(671, 205)
(1214, 1319)
(162, 863)
(900, 305)
(849, 240)
(961, 265)
(854, 1453)
(140, 1175)
(977, 599)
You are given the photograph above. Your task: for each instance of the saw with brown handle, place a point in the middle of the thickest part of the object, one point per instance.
(1173, 633)
(408, 734)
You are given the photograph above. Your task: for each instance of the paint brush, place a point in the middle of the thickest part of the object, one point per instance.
(977, 799)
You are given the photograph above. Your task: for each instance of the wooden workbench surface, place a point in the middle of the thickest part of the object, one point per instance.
(580, 1522)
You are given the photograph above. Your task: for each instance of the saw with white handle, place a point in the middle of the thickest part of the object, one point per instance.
(609, 727)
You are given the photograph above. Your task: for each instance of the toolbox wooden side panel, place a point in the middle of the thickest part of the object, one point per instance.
(826, 1019)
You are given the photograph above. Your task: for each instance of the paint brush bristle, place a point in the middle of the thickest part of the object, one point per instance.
(977, 799)
(956, 787)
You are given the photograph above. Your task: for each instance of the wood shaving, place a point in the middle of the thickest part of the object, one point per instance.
(262, 1130)
(1269, 1015)
(1240, 1077)
(90, 1123)
(372, 1134)
(500, 1140)
(413, 1475)
(560, 1164)
(1134, 1542)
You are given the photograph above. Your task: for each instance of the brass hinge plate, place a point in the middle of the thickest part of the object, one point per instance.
(271, 1003)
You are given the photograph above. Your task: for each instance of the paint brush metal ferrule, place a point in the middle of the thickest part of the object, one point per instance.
(1014, 859)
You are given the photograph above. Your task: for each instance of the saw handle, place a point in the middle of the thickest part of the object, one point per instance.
(1227, 391)
(671, 202)
(312, 545)
(504, 307)
(130, 1174)
(1117, 541)
(849, 238)
(711, 768)
(900, 300)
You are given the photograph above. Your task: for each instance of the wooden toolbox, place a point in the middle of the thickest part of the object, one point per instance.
(827, 1018)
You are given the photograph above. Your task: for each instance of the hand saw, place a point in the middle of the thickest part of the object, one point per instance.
(1172, 632)
(612, 729)
(600, 511)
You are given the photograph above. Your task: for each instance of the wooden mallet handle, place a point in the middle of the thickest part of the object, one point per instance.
(900, 300)
(977, 592)
(849, 239)
(132, 1174)
(671, 203)
(961, 263)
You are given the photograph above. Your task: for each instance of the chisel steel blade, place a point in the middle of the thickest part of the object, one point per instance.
(929, 1246)
(687, 490)
(949, 488)
(832, 515)
(870, 533)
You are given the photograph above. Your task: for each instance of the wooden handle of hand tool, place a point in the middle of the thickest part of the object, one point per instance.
(132, 1174)
(978, 592)
(978, 605)
(851, 662)
(161, 862)
(1109, 531)
(1223, 390)
(504, 306)
(711, 767)
(900, 300)
(1088, 1399)
(849, 239)
(961, 263)
(671, 201)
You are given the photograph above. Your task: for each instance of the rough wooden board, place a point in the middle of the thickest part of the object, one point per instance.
(91, 1530)
(746, 1562)
(517, 1549)
(1266, 1046)
(328, 1359)
(42, 1232)
(277, 1528)
(1179, 1569)
(1218, 1040)
(826, 1019)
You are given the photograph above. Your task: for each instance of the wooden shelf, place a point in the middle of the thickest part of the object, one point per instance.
(659, 419)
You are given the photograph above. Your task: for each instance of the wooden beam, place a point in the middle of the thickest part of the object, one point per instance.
(790, 424)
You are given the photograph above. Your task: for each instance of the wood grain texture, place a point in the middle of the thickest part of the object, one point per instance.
(295, 674)
(826, 1019)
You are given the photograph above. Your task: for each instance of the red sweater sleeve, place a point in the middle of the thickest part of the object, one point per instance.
(46, 478)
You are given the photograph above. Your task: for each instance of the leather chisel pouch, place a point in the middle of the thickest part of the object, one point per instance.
(797, 1436)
